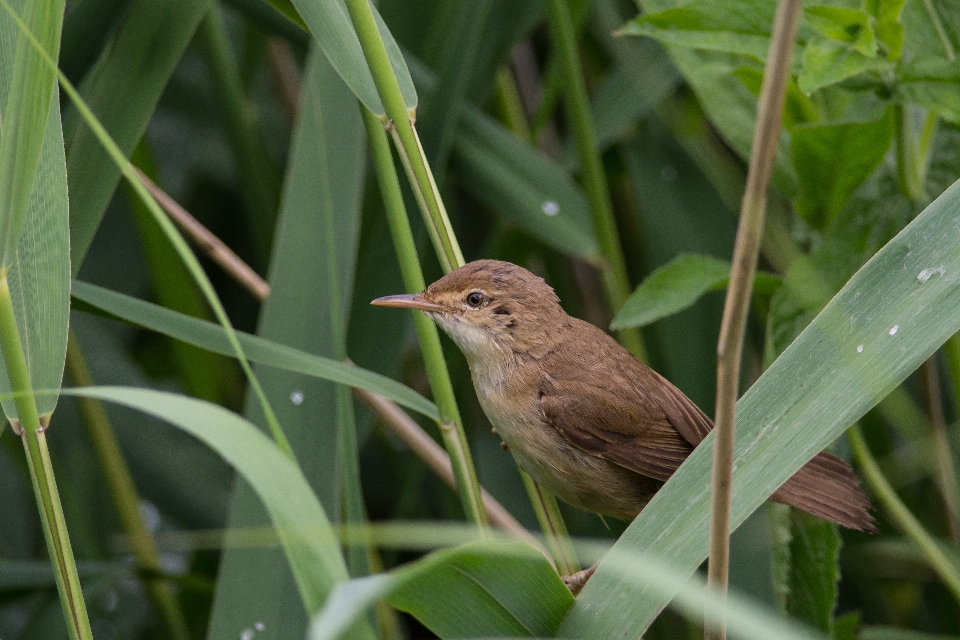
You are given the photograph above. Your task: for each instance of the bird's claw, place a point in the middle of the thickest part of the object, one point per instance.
(576, 581)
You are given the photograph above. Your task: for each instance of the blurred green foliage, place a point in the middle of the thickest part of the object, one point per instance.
(235, 112)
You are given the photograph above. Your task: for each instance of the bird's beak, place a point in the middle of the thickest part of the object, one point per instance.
(408, 301)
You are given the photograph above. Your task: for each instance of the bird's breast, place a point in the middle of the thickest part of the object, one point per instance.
(511, 401)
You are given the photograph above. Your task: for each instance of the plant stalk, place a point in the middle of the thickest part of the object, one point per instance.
(911, 159)
(951, 352)
(206, 241)
(32, 430)
(946, 474)
(454, 437)
(400, 123)
(544, 504)
(433, 455)
(124, 494)
(737, 304)
(179, 244)
(614, 270)
(900, 514)
(554, 529)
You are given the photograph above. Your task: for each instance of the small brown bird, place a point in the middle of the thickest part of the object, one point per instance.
(588, 421)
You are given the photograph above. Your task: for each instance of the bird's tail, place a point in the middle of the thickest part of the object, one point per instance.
(827, 487)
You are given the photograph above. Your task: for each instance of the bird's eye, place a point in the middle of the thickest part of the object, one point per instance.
(475, 298)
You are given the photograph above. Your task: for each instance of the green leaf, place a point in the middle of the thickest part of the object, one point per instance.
(122, 90)
(40, 263)
(851, 27)
(832, 160)
(888, 27)
(814, 570)
(212, 336)
(678, 285)
(823, 382)
(847, 626)
(672, 288)
(192, 485)
(797, 109)
(493, 565)
(730, 107)
(525, 186)
(26, 94)
(827, 62)
(932, 84)
(480, 589)
(314, 251)
(300, 522)
(457, 65)
(741, 26)
(877, 632)
(330, 24)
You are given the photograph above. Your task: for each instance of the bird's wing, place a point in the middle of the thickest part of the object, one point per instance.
(594, 420)
(692, 423)
(596, 401)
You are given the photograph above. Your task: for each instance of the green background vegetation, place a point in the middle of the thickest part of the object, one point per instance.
(234, 110)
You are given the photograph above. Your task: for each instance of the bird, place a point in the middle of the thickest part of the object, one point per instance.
(582, 416)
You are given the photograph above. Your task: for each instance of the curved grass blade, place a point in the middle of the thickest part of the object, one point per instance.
(525, 186)
(301, 523)
(40, 275)
(25, 104)
(123, 90)
(311, 272)
(211, 336)
(333, 30)
(493, 565)
(480, 589)
(884, 322)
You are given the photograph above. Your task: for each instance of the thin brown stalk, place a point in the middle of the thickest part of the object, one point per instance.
(123, 491)
(749, 234)
(286, 77)
(210, 244)
(947, 476)
(438, 461)
(401, 424)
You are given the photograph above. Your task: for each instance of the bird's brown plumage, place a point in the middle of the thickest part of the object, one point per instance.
(586, 419)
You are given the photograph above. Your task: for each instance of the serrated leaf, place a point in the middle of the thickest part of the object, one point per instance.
(847, 627)
(741, 27)
(832, 160)
(849, 26)
(672, 288)
(480, 589)
(932, 84)
(827, 62)
(679, 284)
(889, 29)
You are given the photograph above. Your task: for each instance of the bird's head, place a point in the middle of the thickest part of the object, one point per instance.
(490, 308)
